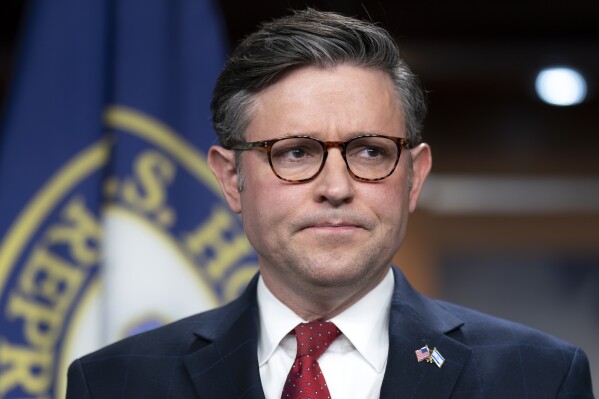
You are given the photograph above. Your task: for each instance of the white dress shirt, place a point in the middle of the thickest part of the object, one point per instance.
(353, 365)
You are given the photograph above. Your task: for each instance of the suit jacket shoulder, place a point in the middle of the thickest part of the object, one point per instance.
(538, 362)
(189, 358)
(485, 357)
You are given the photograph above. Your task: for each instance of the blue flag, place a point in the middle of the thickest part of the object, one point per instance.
(111, 222)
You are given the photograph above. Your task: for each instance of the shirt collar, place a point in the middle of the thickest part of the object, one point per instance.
(276, 321)
(365, 324)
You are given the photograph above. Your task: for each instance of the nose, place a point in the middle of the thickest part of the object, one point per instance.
(334, 184)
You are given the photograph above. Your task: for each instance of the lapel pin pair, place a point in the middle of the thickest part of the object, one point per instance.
(434, 356)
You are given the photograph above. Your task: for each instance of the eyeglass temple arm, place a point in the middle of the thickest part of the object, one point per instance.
(249, 146)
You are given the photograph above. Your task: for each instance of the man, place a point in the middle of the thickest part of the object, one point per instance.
(319, 122)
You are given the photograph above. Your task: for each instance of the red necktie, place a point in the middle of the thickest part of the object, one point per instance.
(305, 379)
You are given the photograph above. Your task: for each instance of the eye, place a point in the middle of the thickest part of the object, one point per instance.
(295, 153)
(367, 152)
(372, 149)
(372, 152)
(295, 150)
(290, 154)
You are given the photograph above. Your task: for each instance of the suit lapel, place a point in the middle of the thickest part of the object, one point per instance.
(416, 321)
(226, 365)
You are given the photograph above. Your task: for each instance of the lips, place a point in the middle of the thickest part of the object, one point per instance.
(346, 223)
(335, 225)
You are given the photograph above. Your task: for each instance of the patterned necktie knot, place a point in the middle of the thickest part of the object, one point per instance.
(314, 338)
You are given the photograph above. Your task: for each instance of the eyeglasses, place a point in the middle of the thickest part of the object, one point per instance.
(298, 159)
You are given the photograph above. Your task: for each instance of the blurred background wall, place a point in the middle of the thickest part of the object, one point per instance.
(509, 222)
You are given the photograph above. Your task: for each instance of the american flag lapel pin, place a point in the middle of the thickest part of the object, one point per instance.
(423, 353)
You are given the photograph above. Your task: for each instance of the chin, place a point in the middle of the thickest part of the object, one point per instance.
(333, 275)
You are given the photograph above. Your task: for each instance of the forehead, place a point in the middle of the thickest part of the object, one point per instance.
(329, 103)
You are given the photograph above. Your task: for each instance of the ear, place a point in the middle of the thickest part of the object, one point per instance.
(222, 163)
(422, 162)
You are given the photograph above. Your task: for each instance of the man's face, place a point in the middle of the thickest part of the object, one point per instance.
(333, 231)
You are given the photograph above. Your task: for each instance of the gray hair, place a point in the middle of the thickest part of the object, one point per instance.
(309, 38)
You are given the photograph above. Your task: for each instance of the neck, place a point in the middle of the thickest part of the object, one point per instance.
(312, 302)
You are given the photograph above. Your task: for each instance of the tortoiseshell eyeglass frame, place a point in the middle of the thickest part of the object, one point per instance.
(266, 145)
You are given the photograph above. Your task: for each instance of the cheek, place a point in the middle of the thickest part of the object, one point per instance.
(267, 205)
(391, 205)
(256, 222)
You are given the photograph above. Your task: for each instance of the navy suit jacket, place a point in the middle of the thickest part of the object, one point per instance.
(214, 355)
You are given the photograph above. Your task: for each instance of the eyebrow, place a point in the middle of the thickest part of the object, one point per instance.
(318, 135)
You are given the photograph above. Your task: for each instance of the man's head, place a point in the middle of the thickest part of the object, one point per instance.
(325, 242)
(309, 38)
